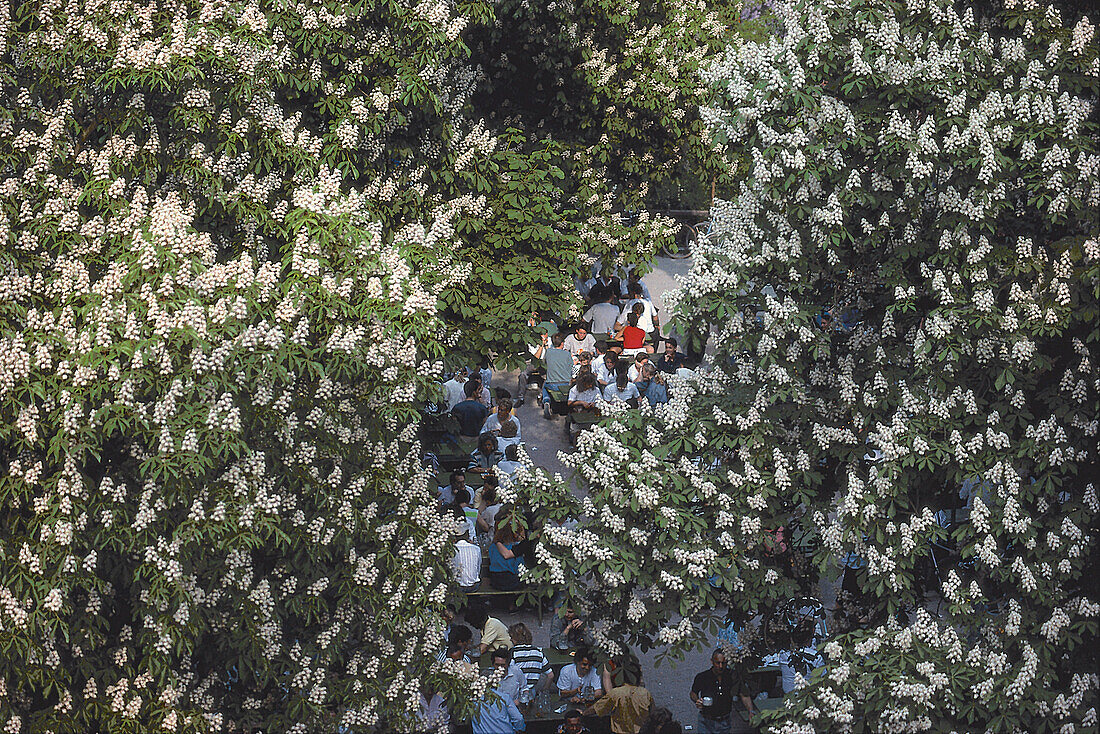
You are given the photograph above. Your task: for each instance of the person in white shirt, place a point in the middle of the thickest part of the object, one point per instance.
(511, 462)
(514, 684)
(494, 421)
(622, 389)
(453, 388)
(579, 682)
(603, 314)
(648, 322)
(585, 395)
(433, 714)
(467, 563)
(605, 370)
(579, 341)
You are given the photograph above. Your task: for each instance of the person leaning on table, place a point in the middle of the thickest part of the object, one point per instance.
(581, 675)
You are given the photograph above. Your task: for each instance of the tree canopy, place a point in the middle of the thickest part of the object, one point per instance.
(901, 301)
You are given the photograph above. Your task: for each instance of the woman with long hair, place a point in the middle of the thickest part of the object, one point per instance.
(503, 559)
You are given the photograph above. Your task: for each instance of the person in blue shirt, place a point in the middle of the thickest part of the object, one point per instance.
(497, 715)
(651, 386)
(503, 561)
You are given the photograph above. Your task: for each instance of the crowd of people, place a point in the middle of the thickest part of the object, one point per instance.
(589, 695)
(615, 353)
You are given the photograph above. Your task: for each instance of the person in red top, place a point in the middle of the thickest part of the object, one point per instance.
(632, 336)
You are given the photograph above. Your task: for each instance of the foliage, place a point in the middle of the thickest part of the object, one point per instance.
(932, 180)
(222, 257)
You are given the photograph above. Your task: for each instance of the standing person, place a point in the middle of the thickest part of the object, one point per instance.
(530, 660)
(580, 340)
(559, 371)
(603, 313)
(712, 693)
(453, 388)
(544, 332)
(497, 715)
(628, 705)
(470, 413)
(579, 682)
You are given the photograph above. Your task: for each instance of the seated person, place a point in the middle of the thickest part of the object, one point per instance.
(465, 511)
(633, 338)
(503, 413)
(584, 395)
(573, 723)
(651, 386)
(504, 563)
(648, 322)
(605, 282)
(493, 632)
(471, 412)
(640, 361)
(622, 389)
(487, 512)
(514, 683)
(511, 461)
(567, 629)
(496, 715)
(459, 641)
(467, 563)
(486, 456)
(605, 370)
(671, 360)
(509, 434)
(584, 362)
(580, 340)
(447, 493)
(603, 313)
(580, 683)
(530, 660)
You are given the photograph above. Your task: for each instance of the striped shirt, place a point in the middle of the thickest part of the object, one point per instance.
(532, 662)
